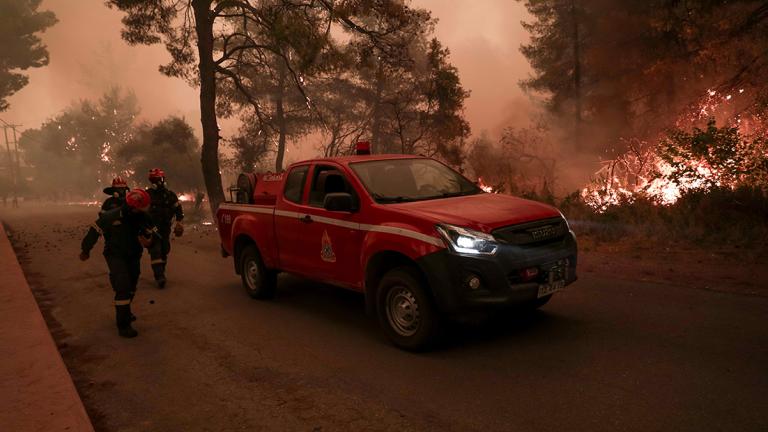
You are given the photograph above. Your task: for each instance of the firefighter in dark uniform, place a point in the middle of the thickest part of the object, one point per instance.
(127, 230)
(164, 208)
(116, 194)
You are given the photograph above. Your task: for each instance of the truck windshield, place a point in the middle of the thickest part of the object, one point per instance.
(403, 180)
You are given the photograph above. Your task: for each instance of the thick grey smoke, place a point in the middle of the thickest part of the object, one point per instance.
(88, 56)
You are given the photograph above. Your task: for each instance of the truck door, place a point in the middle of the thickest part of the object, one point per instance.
(288, 226)
(332, 239)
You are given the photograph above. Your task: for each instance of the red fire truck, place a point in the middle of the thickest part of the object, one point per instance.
(422, 242)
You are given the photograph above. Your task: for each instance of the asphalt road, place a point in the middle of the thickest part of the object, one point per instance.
(606, 355)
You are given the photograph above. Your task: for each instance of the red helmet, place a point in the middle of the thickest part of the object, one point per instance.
(156, 175)
(117, 183)
(137, 199)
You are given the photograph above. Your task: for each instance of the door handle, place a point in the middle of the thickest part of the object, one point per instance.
(306, 219)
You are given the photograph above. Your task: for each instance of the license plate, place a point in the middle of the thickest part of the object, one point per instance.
(549, 288)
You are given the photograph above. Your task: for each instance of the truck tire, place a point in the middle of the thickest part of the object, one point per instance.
(259, 282)
(405, 310)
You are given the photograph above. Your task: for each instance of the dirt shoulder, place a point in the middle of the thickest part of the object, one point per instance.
(725, 269)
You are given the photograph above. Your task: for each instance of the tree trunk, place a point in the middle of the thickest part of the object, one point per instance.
(209, 157)
(576, 76)
(376, 144)
(280, 118)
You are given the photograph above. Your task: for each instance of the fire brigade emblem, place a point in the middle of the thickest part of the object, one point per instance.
(326, 249)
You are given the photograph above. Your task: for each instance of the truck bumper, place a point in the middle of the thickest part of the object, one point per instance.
(500, 278)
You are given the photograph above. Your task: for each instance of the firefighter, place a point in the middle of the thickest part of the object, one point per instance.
(164, 208)
(127, 230)
(116, 194)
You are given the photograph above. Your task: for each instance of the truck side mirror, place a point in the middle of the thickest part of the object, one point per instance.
(339, 201)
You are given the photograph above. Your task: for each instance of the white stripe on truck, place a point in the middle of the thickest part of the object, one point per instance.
(345, 224)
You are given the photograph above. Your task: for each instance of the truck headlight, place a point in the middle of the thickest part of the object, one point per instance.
(467, 241)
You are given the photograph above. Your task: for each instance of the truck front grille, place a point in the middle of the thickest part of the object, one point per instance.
(543, 231)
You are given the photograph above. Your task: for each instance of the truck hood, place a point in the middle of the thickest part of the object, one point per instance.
(483, 212)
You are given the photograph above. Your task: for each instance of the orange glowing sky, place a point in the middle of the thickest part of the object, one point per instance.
(88, 56)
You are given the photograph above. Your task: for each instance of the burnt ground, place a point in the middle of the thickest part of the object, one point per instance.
(646, 340)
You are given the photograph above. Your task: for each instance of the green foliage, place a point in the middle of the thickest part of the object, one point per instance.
(169, 144)
(21, 48)
(415, 100)
(80, 150)
(719, 216)
(521, 163)
(74, 151)
(633, 68)
(715, 156)
(347, 70)
(551, 50)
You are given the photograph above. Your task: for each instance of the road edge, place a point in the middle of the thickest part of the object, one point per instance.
(36, 389)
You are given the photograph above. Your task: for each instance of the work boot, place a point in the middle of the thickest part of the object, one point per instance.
(127, 332)
(159, 272)
(123, 318)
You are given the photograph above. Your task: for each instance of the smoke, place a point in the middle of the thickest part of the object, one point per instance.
(87, 57)
(485, 47)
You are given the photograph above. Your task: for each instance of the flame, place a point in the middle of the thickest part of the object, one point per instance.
(186, 197)
(625, 179)
(83, 203)
(483, 186)
(642, 173)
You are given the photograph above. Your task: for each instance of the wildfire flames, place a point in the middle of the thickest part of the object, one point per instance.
(624, 179)
(641, 172)
(483, 186)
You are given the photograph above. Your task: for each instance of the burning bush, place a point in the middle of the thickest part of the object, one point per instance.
(522, 163)
(715, 157)
(701, 160)
(717, 216)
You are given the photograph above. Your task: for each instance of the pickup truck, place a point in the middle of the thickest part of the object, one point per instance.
(421, 241)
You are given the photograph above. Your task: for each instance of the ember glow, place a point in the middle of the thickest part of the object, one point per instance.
(641, 172)
(483, 186)
(625, 179)
(83, 203)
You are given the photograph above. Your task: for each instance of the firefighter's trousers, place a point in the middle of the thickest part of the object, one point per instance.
(124, 276)
(160, 250)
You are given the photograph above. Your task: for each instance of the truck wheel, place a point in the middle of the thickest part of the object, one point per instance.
(258, 281)
(405, 310)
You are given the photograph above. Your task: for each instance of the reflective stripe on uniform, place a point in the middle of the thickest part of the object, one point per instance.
(122, 302)
(117, 222)
(97, 228)
(157, 261)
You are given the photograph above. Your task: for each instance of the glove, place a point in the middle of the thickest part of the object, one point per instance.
(84, 256)
(145, 241)
(178, 230)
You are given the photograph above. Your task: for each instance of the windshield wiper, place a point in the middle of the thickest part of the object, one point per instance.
(453, 194)
(391, 199)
